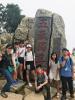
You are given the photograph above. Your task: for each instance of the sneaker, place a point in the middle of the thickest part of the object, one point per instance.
(58, 95)
(4, 95)
(14, 82)
(30, 85)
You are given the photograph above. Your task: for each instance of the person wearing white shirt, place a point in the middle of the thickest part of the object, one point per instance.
(21, 57)
(29, 63)
(54, 72)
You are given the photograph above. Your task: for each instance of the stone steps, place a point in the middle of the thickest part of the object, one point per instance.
(17, 87)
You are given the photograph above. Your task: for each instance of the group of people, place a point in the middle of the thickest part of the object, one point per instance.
(15, 64)
(18, 62)
(61, 70)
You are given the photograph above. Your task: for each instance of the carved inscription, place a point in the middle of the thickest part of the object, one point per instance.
(42, 39)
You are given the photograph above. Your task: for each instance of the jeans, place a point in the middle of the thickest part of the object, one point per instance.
(9, 79)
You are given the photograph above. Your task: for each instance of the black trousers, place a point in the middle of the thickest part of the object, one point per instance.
(46, 92)
(67, 83)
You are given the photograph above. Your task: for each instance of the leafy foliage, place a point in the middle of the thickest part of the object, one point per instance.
(10, 16)
(13, 17)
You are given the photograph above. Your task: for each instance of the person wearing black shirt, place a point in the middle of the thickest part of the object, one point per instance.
(4, 63)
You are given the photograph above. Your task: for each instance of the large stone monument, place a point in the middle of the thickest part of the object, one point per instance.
(42, 30)
(49, 35)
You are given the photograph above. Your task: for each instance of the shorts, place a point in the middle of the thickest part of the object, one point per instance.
(30, 65)
(54, 76)
(21, 60)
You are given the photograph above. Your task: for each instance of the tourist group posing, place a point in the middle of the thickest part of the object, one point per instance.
(18, 63)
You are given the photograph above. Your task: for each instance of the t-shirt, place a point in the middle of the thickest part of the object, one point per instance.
(54, 72)
(21, 51)
(66, 70)
(54, 66)
(41, 77)
(4, 63)
(29, 56)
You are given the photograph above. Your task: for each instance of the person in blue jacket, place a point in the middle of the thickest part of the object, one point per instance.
(66, 73)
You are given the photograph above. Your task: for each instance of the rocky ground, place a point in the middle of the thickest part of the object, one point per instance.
(27, 93)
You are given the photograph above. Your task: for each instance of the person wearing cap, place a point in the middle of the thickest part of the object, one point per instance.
(66, 73)
(29, 63)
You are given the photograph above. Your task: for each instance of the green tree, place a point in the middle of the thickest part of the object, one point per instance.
(13, 17)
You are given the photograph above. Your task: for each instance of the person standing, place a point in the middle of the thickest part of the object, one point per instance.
(66, 74)
(30, 68)
(54, 72)
(21, 58)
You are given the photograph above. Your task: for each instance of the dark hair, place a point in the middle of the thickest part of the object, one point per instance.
(9, 46)
(39, 66)
(21, 42)
(56, 59)
(16, 43)
(65, 49)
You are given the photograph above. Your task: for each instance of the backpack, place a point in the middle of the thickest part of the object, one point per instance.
(62, 58)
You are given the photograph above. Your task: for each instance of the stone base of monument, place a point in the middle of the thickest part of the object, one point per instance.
(17, 87)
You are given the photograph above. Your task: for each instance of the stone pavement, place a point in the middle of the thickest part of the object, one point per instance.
(29, 94)
(33, 96)
(12, 96)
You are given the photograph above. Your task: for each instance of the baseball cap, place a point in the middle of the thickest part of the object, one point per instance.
(28, 46)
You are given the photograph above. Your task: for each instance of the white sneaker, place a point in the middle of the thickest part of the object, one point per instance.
(30, 85)
(58, 95)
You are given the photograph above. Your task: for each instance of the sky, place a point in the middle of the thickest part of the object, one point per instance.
(65, 8)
